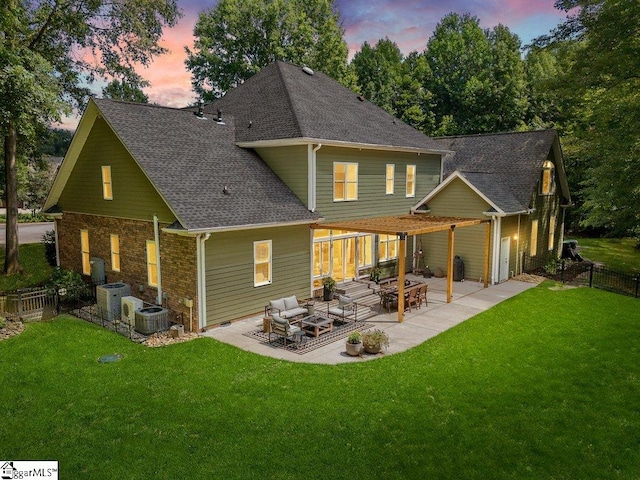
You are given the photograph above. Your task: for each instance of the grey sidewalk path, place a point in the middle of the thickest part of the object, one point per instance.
(469, 299)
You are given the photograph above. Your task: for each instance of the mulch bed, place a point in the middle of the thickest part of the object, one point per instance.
(341, 330)
(11, 328)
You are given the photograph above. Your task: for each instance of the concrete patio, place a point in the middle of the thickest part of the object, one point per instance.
(469, 299)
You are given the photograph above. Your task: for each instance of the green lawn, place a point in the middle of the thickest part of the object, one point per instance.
(36, 268)
(618, 254)
(545, 385)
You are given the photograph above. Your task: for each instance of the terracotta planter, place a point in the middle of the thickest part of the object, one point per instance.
(354, 349)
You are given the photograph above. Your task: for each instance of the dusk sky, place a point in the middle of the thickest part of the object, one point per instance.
(408, 23)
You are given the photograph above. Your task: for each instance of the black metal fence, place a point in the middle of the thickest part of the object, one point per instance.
(43, 303)
(583, 273)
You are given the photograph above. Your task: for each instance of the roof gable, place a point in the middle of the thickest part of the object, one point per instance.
(514, 160)
(190, 160)
(282, 102)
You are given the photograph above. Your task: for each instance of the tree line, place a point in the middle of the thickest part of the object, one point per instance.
(582, 78)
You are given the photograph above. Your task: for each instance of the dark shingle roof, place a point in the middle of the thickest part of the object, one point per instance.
(283, 102)
(505, 167)
(190, 160)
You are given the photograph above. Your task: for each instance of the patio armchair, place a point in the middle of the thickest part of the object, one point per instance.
(422, 295)
(411, 298)
(346, 308)
(281, 326)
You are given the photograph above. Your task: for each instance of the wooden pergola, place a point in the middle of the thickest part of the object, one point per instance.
(415, 224)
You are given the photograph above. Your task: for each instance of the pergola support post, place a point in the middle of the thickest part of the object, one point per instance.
(487, 250)
(450, 264)
(402, 255)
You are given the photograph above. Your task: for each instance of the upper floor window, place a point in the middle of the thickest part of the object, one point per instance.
(389, 178)
(152, 263)
(411, 180)
(547, 183)
(115, 253)
(388, 247)
(261, 263)
(552, 231)
(345, 181)
(533, 244)
(107, 190)
(84, 247)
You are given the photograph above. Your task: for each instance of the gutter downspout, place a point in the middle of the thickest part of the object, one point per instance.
(55, 231)
(156, 238)
(311, 176)
(495, 272)
(518, 247)
(202, 290)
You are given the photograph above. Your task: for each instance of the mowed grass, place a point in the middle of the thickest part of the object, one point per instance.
(545, 385)
(34, 263)
(618, 254)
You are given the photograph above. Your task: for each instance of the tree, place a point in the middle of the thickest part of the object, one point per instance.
(49, 51)
(477, 77)
(379, 69)
(604, 78)
(237, 38)
(395, 83)
(121, 90)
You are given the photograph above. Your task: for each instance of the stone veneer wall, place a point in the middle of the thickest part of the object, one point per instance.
(177, 253)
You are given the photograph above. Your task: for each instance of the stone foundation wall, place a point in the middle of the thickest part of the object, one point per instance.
(178, 262)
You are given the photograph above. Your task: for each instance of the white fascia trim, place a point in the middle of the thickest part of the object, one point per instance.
(233, 228)
(451, 178)
(285, 142)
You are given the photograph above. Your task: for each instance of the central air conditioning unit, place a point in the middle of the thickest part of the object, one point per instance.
(129, 305)
(108, 299)
(152, 319)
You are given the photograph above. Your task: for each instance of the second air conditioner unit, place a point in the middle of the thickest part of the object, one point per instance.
(129, 306)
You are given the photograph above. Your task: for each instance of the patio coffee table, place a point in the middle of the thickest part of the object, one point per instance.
(317, 325)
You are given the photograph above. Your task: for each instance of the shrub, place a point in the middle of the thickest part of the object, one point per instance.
(49, 242)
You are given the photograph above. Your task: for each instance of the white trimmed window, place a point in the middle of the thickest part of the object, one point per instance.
(411, 180)
(261, 263)
(547, 182)
(115, 253)
(533, 245)
(84, 247)
(389, 178)
(552, 231)
(152, 264)
(345, 181)
(107, 188)
(388, 247)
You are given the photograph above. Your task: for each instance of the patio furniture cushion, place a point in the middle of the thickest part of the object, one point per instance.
(290, 303)
(277, 304)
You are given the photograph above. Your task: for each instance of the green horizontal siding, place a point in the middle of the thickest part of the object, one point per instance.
(291, 165)
(372, 198)
(134, 197)
(229, 271)
(457, 200)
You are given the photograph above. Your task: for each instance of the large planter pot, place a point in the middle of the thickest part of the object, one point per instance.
(327, 295)
(373, 349)
(354, 349)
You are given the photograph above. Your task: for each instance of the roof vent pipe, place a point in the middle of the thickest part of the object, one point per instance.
(200, 112)
(219, 119)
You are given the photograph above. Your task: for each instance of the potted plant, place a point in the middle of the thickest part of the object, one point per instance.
(354, 343)
(374, 274)
(374, 340)
(328, 287)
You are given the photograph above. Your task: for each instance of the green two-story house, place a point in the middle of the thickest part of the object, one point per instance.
(208, 211)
